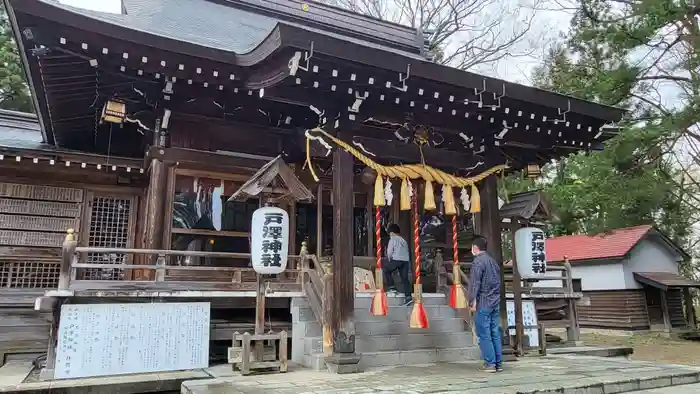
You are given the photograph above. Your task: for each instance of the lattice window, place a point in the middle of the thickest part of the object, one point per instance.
(29, 275)
(108, 228)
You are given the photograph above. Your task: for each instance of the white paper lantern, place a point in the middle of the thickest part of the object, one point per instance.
(269, 240)
(530, 252)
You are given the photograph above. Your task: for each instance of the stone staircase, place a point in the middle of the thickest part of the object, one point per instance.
(388, 340)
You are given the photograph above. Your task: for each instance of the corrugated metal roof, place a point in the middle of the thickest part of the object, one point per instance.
(591, 247)
(20, 130)
(664, 280)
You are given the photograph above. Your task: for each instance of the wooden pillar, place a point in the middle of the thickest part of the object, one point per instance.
(573, 333)
(319, 221)
(343, 359)
(664, 310)
(689, 308)
(489, 222)
(369, 221)
(155, 199)
(292, 208)
(154, 212)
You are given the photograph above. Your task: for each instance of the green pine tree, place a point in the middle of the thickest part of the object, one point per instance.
(14, 91)
(629, 54)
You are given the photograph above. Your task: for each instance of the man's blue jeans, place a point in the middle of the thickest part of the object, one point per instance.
(488, 328)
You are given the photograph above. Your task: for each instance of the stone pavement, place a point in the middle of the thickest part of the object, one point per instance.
(685, 389)
(554, 374)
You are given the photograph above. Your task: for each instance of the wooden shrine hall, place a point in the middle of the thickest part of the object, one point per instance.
(202, 94)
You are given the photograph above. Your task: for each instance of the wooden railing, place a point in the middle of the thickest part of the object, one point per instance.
(317, 283)
(242, 279)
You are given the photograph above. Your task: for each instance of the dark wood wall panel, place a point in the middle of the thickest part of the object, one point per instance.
(23, 331)
(28, 238)
(37, 223)
(42, 208)
(37, 205)
(39, 192)
(622, 309)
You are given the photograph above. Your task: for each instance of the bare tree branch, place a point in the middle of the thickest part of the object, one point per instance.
(461, 33)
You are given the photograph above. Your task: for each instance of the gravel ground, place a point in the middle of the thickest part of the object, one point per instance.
(651, 347)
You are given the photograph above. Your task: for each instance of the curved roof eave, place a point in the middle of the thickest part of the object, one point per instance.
(393, 60)
(284, 34)
(109, 24)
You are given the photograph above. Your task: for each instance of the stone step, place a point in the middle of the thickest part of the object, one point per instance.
(406, 357)
(393, 327)
(403, 313)
(364, 300)
(378, 343)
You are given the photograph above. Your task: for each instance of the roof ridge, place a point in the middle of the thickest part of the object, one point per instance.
(606, 233)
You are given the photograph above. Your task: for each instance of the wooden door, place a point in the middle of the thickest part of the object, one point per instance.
(653, 297)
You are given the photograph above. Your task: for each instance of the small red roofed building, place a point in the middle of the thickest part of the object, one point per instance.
(630, 278)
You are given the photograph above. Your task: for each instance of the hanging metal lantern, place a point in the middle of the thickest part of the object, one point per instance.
(533, 171)
(114, 112)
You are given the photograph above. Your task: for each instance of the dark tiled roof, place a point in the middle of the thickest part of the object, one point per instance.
(204, 23)
(198, 22)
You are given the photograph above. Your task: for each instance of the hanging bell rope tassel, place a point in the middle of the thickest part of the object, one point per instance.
(449, 200)
(475, 200)
(379, 200)
(429, 197)
(457, 298)
(405, 196)
(379, 305)
(419, 319)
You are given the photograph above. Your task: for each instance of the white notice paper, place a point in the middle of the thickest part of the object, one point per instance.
(118, 339)
(529, 320)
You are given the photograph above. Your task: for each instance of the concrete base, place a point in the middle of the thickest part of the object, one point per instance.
(343, 363)
(613, 351)
(124, 384)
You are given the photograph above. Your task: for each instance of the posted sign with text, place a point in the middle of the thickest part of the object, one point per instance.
(269, 240)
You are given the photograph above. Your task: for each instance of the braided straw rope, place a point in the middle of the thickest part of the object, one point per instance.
(405, 171)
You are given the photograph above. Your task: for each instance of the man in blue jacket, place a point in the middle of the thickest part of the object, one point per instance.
(485, 304)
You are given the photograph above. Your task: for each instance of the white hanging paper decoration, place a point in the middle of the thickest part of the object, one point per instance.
(466, 202)
(320, 140)
(444, 192)
(410, 189)
(388, 193)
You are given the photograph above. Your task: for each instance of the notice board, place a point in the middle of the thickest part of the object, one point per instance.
(118, 339)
